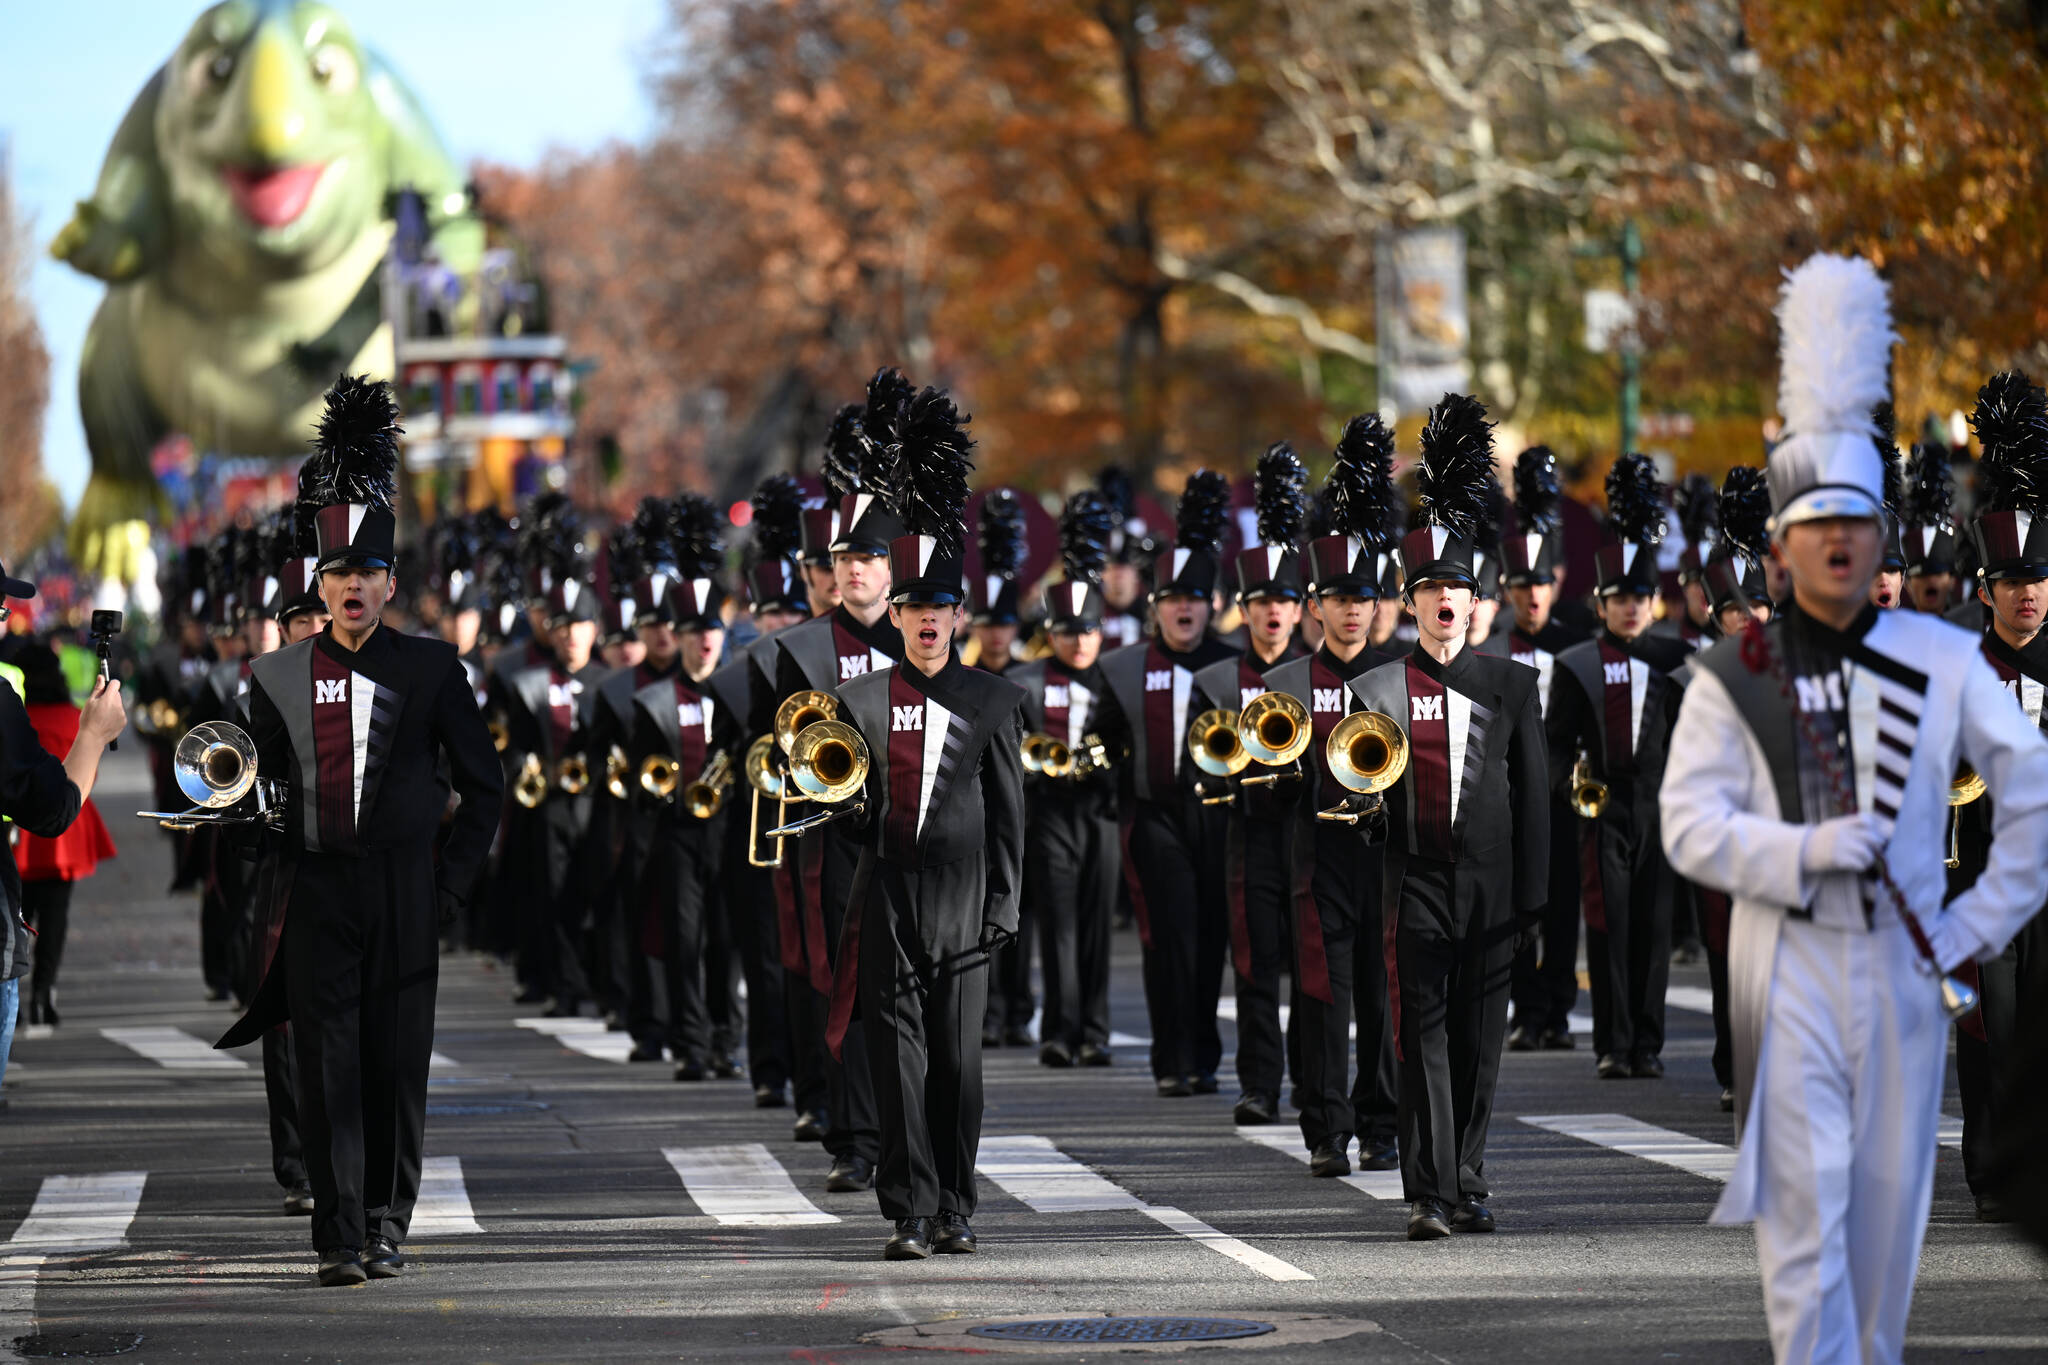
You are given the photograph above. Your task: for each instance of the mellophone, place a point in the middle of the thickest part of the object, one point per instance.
(215, 767)
(1366, 752)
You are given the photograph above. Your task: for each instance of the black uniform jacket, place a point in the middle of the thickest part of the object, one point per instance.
(414, 705)
(1126, 672)
(1097, 791)
(1577, 719)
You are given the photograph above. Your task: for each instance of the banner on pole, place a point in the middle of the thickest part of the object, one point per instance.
(1424, 326)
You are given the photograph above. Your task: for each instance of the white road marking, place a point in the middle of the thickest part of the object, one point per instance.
(1950, 1133)
(436, 1062)
(443, 1209)
(174, 1049)
(742, 1186)
(1039, 1174)
(1127, 1040)
(1633, 1137)
(1579, 1023)
(72, 1214)
(587, 1036)
(1698, 999)
(1372, 1184)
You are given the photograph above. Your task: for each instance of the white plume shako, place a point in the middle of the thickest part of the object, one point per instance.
(1834, 365)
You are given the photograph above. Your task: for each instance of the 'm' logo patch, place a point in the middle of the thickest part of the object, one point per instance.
(326, 690)
(1425, 708)
(906, 718)
(1057, 696)
(689, 715)
(1247, 695)
(1329, 699)
(852, 666)
(1616, 671)
(1159, 680)
(1823, 693)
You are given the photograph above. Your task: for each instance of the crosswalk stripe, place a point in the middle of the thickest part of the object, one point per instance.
(1372, 1184)
(1698, 999)
(743, 1186)
(438, 1062)
(174, 1049)
(1030, 1169)
(72, 1214)
(587, 1036)
(1950, 1132)
(443, 1209)
(1713, 1160)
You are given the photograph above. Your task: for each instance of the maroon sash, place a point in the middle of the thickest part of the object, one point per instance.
(1429, 762)
(1617, 712)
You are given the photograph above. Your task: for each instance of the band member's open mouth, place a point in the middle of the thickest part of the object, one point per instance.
(1838, 561)
(1884, 597)
(1185, 620)
(928, 635)
(352, 608)
(1445, 616)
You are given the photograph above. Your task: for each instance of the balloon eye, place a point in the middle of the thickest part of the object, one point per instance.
(221, 67)
(334, 68)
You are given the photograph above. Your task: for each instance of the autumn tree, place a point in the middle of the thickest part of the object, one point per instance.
(30, 510)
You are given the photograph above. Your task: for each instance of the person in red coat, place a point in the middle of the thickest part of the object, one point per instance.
(50, 866)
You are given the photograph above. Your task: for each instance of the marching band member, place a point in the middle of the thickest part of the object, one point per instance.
(994, 597)
(1070, 831)
(853, 639)
(937, 887)
(1132, 546)
(1545, 975)
(1170, 839)
(1926, 533)
(1698, 504)
(1888, 589)
(1808, 778)
(1466, 831)
(2011, 535)
(1258, 823)
(1613, 706)
(1332, 891)
(359, 720)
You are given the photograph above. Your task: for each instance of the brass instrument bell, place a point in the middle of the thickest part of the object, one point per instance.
(759, 766)
(615, 770)
(828, 762)
(704, 797)
(1589, 793)
(1367, 753)
(1966, 786)
(799, 712)
(1274, 729)
(1046, 756)
(572, 775)
(660, 775)
(1214, 744)
(530, 783)
(500, 736)
(215, 764)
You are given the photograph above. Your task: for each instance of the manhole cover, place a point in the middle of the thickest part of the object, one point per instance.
(76, 1345)
(504, 1107)
(1123, 1329)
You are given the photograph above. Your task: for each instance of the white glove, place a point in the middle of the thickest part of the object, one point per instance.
(1847, 843)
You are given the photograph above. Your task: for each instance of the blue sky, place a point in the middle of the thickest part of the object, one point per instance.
(505, 81)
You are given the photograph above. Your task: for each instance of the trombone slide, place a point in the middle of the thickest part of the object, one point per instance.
(795, 829)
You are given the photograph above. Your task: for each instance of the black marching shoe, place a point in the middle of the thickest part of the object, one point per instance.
(614, 1022)
(1018, 1035)
(382, 1259)
(769, 1097)
(1991, 1209)
(565, 1008)
(1203, 1084)
(1648, 1067)
(1253, 1109)
(42, 1007)
(1558, 1040)
(1094, 1054)
(726, 1067)
(645, 1052)
(1426, 1221)
(341, 1266)
(1471, 1216)
(1727, 1099)
(850, 1174)
(951, 1236)
(298, 1201)
(1330, 1158)
(991, 1037)
(1611, 1068)
(1522, 1039)
(530, 995)
(690, 1069)
(1378, 1154)
(1173, 1087)
(912, 1240)
(1055, 1054)
(809, 1128)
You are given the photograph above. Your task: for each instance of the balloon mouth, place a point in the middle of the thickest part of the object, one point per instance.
(272, 196)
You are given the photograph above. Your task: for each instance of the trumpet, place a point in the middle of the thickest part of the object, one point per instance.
(1367, 754)
(1046, 756)
(1273, 728)
(1966, 786)
(828, 763)
(572, 775)
(765, 781)
(215, 766)
(500, 736)
(799, 712)
(1214, 745)
(530, 783)
(1093, 756)
(704, 797)
(1589, 793)
(160, 717)
(615, 770)
(660, 775)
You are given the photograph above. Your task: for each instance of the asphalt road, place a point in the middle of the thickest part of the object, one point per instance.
(595, 1210)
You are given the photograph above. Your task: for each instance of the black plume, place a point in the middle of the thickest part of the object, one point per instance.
(355, 446)
(778, 516)
(280, 539)
(1929, 491)
(1538, 493)
(1280, 495)
(1457, 466)
(2011, 422)
(934, 459)
(622, 558)
(550, 534)
(843, 453)
(1360, 489)
(699, 540)
(1699, 508)
(1486, 534)
(1745, 510)
(654, 531)
(1114, 482)
(1886, 419)
(223, 566)
(889, 395)
(1085, 526)
(1204, 508)
(1635, 501)
(1001, 533)
(455, 547)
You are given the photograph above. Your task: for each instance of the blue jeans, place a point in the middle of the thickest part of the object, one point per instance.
(10, 1003)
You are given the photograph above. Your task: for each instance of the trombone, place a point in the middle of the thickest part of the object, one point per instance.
(1367, 754)
(828, 763)
(798, 712)
(1274, 730)
(1589, 793)
(215, 766)
(1966, 786)
(1217, 750)
(765, 781)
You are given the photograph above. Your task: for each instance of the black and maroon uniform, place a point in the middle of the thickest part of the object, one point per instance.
(615, 850)
(370, 743)
(1467, 836)
(941, 861)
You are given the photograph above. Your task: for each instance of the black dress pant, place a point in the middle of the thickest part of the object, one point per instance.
(1628, 935)
(1347, 885)
(1010, 1001)
(1453, 942)
(684, 877)
(1071, 866)
(1173, 856)
(750, 910)
(281, 1093)
(538, 864)
(1546, 973)
(851, 1125)
(1258, 866)
(46, 905)
(222, 945)
(921, 1022)
(2012, 991)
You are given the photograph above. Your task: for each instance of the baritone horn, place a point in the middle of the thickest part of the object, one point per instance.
(1966, 786)
(659, 776)
(828, 763)
(1274, 730)
(215, 767)
(1367, 754)
(704, 797)
(766, 782)
(1214, 745)
(1589, 793)
(1046, 756)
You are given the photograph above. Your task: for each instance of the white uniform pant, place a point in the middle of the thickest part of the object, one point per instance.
(1841, 1140)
